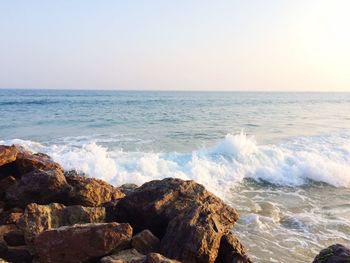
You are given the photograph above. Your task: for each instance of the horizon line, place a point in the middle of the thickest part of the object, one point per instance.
(179, 90)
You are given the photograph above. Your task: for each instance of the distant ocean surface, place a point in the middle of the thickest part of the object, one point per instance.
(281, 159)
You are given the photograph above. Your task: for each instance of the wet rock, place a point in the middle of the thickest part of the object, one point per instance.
(38, 218)
(92, 192)
(158, 258)
(188, 219)
(14, 238)
(125, 256)
(145, 242)
(81, 243)
(40, 187)
(333, 254)
(232, 251)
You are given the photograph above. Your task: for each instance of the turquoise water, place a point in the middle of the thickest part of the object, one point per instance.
(282, 159)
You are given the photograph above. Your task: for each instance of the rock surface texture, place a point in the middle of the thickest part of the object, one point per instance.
(188, 219)
(81, 243)
(333, 254)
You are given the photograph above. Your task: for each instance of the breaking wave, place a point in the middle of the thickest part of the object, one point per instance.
(294, 163)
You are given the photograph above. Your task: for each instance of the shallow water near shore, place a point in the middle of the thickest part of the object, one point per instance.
(281, 159)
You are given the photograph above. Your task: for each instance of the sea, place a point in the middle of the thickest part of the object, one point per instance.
(281, 159)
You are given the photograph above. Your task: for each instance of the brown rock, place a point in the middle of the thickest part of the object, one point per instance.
(232, 251)
(38, 218)
(27, 162)
(125, 256)
(4, 229)
(15, 254)
(11, 216)
(158, 258)
(188, 219)
(14, 238)
(333, 254)
(5, 183)
(40, 187)
(145, 242)
(8, 154)
(92, 192)
(81, 243)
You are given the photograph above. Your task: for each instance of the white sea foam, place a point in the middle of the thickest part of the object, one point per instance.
(293, 163)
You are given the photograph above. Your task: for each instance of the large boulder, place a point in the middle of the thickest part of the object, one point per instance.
(40, 187)
(39, 218)
(16, 161)
(231, 250)
(188, 219)
(333, 254)
(27, 162)
(80, 243)
(92, 192)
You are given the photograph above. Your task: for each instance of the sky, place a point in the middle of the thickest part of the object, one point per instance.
(246, 45)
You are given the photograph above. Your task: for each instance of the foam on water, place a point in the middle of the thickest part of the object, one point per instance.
(293, 163)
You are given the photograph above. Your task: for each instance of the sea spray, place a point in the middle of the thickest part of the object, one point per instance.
(219, 168)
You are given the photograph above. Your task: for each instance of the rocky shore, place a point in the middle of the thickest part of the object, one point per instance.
(51, 215)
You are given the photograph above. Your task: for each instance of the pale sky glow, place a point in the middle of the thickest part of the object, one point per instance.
(270, 45)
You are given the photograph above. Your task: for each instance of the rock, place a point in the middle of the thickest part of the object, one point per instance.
(333, 254)
(8, 154)
(91, 192)
(14, 238)
(27, 162)
(188, 219)
(128, 188)
(81, 243)
(40, 187)
(4, 229)
(124, 256)
(11, 216)
(15, 254)
(158, 258)
(5, 183)
(38, 218)
(232, 251)
(145, 242)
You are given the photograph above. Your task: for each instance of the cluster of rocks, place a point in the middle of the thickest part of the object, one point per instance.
(47, 215)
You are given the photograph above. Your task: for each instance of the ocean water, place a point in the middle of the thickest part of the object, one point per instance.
(281, 159)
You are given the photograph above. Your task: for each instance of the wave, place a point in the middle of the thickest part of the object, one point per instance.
(294, 163)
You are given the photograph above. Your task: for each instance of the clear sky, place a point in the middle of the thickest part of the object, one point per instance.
(283, 45)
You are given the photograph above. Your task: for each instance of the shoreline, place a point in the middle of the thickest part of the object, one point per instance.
(52, 215)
